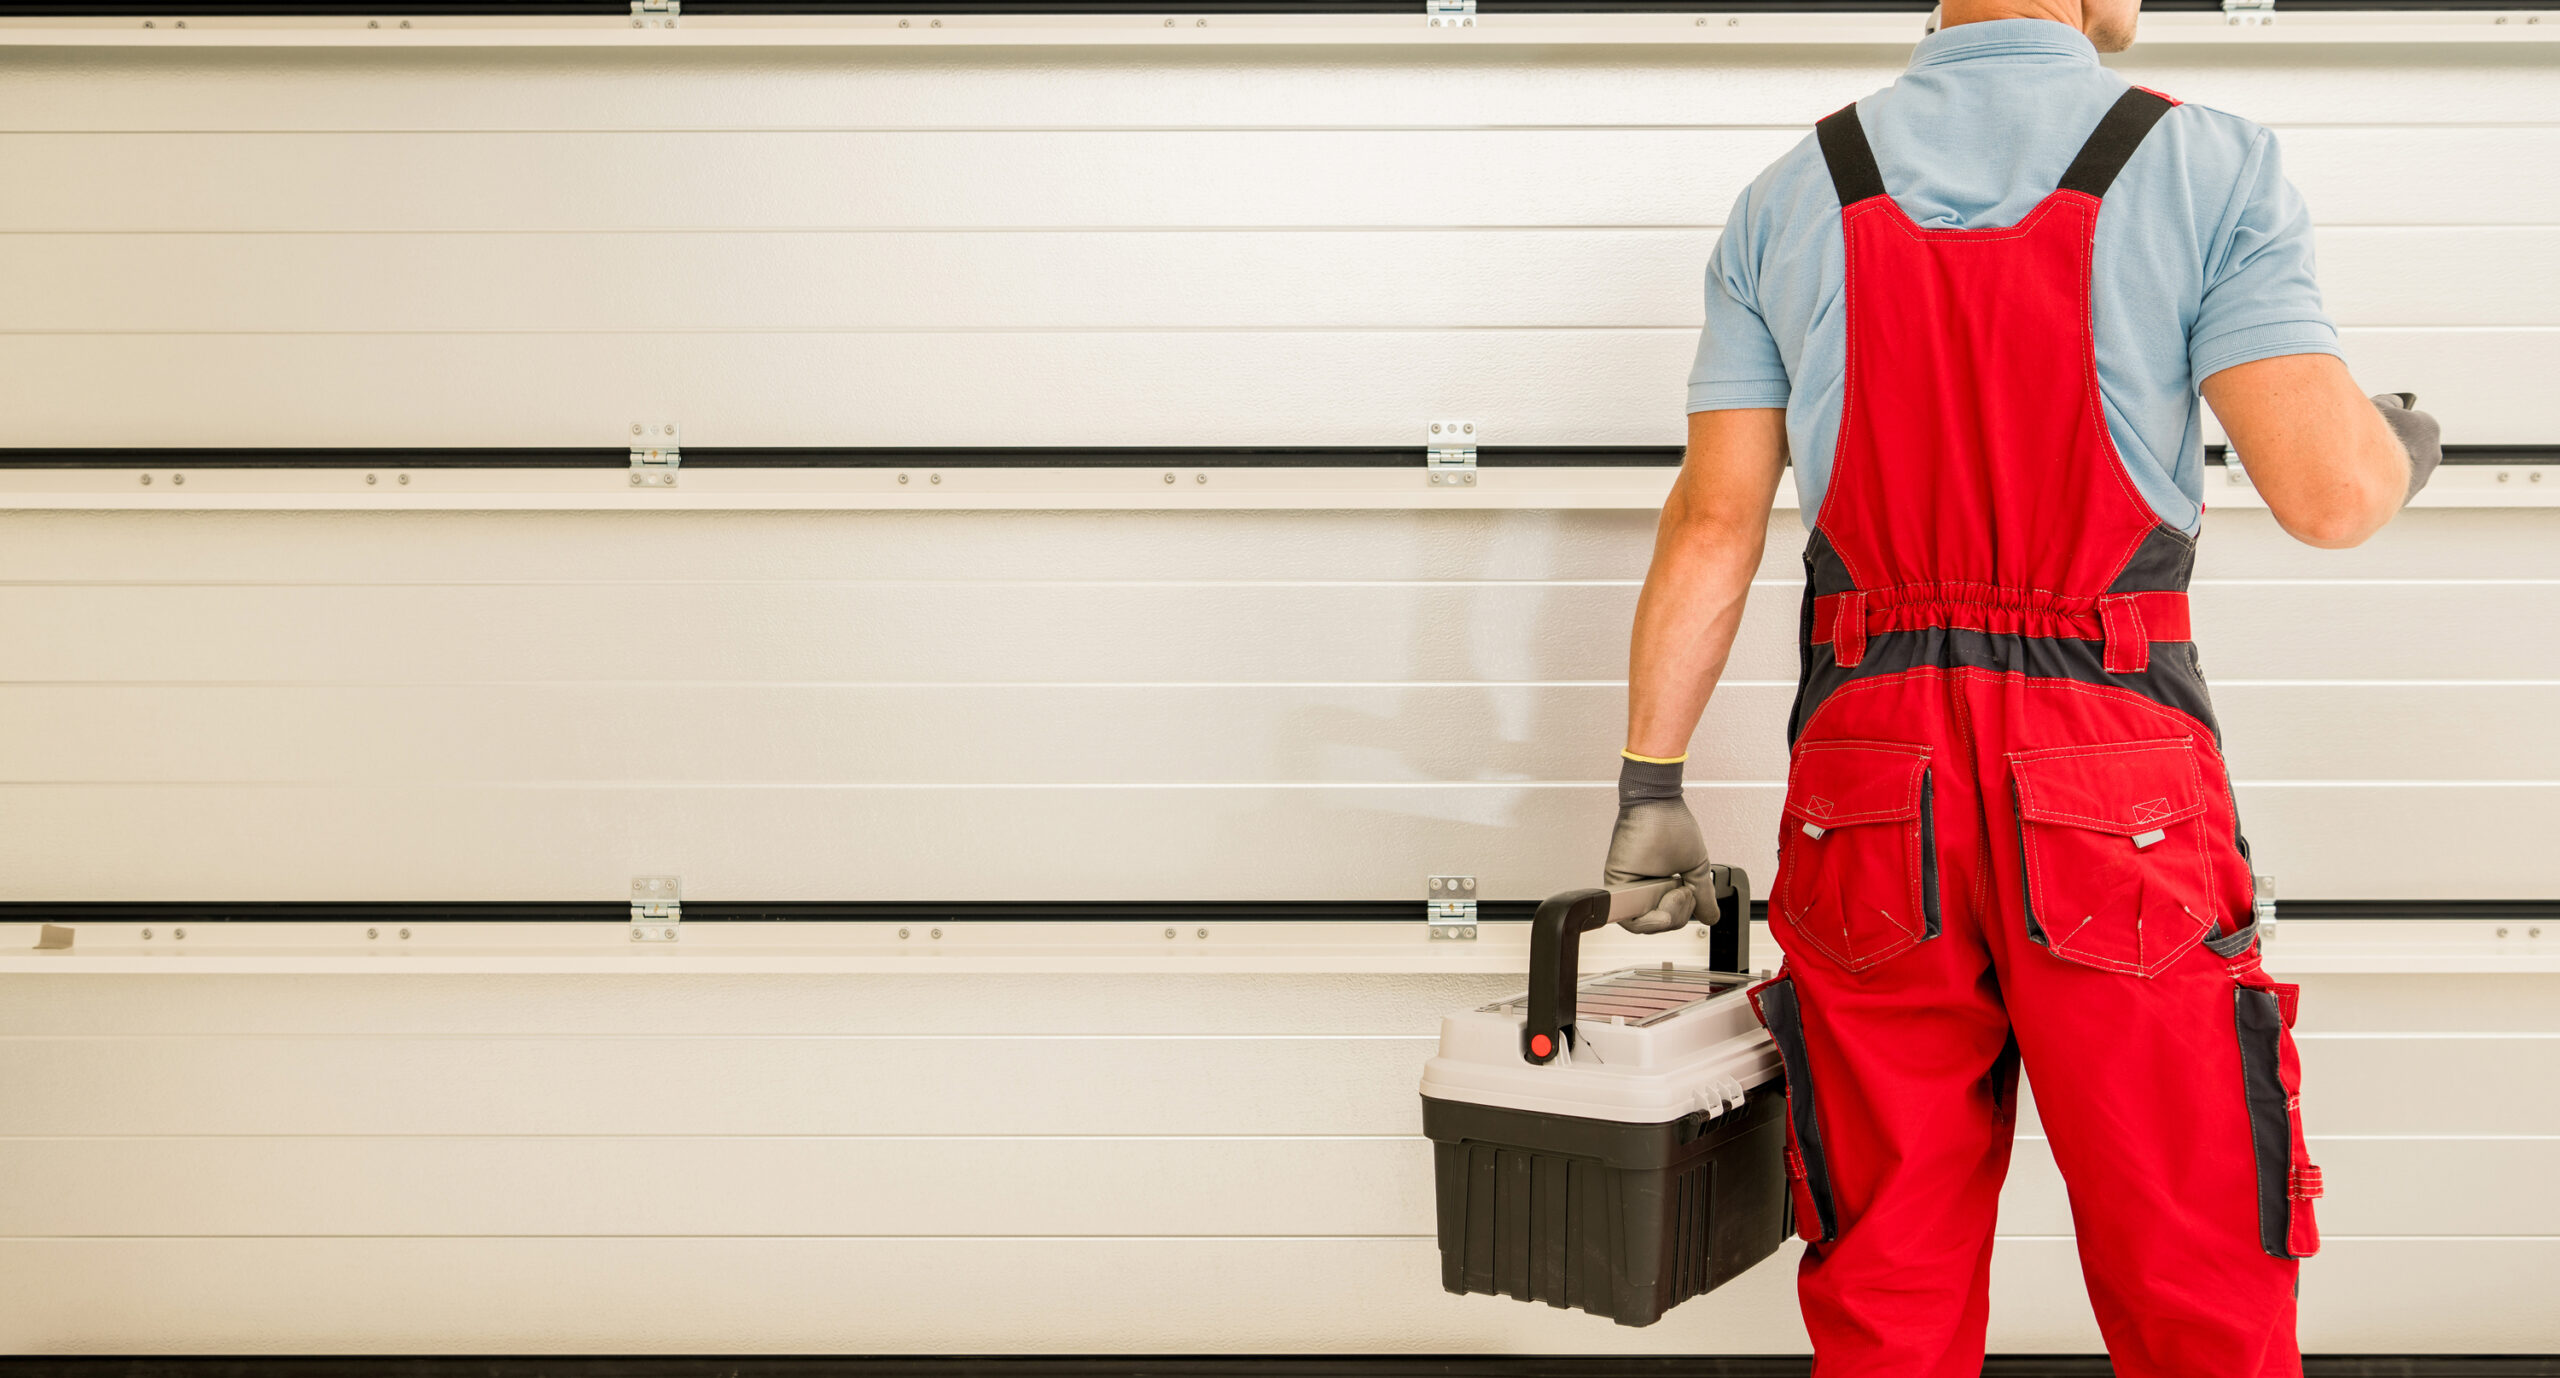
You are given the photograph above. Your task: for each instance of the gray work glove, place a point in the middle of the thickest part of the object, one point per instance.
(1657, 838)
(2419, 435)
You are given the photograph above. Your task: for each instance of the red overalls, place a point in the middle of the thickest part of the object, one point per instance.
(2009, 835)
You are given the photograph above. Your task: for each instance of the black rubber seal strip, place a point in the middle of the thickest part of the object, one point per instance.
(2120, 131)
(2454, 454)
(2260, 1023)
(1854, 174)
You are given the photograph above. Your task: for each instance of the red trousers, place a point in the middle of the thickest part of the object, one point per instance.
(2009, 837)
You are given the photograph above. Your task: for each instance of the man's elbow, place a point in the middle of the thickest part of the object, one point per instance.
(2346, 515)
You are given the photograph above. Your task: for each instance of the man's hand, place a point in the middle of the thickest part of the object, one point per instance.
(1657, 839)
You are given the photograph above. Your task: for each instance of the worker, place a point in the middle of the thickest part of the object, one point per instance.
(1976, 308)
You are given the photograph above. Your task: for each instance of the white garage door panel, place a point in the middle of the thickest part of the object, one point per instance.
(1023, 178)
(2405, 84)
(717, 283)
(1107, 1085)
(1137, 843)
(1317, 843)
(1197, 1296)
(942, 1085)
(1199, 734)
(614, 547)
(1527, 387)
(787, 1186)
(608, 547)
(704, 1185)
(920, 1002)
(761, 178)
(1113, 633)
(2377, 1186)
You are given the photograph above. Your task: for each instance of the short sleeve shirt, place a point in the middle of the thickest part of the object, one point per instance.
(2203, 254)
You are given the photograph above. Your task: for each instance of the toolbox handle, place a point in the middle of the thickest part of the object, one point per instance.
(1555, 946)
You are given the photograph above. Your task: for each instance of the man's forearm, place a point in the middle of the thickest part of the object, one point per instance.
(1713, 529)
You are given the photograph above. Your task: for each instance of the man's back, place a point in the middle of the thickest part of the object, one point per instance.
(2203, 257)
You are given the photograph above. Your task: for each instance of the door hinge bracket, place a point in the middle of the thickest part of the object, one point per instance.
(1449, 14)
(654, 455)
(656, 14)
(2262, 905)
(1449, 454)
(657, 907)
(1451, 909)
(2249, 12)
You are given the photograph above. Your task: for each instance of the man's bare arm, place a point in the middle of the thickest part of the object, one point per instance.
(1714, 526)
(2328, 465)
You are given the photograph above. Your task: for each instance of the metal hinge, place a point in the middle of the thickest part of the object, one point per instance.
(657, 906)
(2234, 473)
(2262, 905)
(1450, 454)
(1450, 14)
(655, 14)
(1451, 910)
(2250, 12)
(654, 456)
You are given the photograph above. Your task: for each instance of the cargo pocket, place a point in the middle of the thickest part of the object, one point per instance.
(1857, 851)
(2271, 1078)
(2118, 873)
(1808, 1166)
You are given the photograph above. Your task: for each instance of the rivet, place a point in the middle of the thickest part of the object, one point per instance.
(148, 24)
(2502, 932)
(373, 933)
(1435, 428)
(1168, 478)
(1169, 23)
(937, 23)
(371, 479)
(2534, 477)
(1471, 428)
(179, 479)
(635, 428)
(902, 23)
(1168, 933)
(902, 478)
(146, 935)
(2533, 932)
(1199, 23)
(937, 933)
(1203, 933)
(937, 478)
(370, 24)
(1730, 24)
(902, 935)
(2502, 476)
(404, 935)
(404, 23)
(178, 933)
(404, 480)
(146, 480)
(180, 24)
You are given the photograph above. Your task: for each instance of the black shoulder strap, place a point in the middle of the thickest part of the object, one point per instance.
(2114, 140)
(1853, 164)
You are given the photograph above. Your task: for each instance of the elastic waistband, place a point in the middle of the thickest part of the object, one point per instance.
(2127, 622)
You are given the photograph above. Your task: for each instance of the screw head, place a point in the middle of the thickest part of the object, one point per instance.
(1203, 933)
(146, 480)
(178, 479)
(937, 933)
(1204, 478)
(1168, 478)
(404, 480)
(937, 478)
(2502, 932)
(404, 935)
(373, 933)
(178, 933)
(902, 478)
(1168, 933)
(372, 479)
(146, 935)
(635, 428)
(902, 934)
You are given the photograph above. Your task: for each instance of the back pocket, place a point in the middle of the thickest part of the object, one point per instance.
(1857, 851)
(2117, 869)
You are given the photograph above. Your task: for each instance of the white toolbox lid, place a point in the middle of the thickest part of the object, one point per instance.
(1649, 1045)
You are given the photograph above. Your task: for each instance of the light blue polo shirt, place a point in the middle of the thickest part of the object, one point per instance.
(2203, 252)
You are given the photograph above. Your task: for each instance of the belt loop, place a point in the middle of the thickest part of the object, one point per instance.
(1849, 628)
(2128, 645)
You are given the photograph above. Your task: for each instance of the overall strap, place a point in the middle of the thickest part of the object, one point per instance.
(2118, 134)
(1844, 149)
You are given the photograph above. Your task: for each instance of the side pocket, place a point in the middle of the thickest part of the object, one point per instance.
(1808, 1166)
(2111, 838)
(1857, 851)
(2271, 1078)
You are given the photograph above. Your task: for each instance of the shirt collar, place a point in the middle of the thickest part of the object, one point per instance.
(2041, 40)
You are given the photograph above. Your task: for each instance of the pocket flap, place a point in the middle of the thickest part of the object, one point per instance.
(1835, 784)
(2128, 788)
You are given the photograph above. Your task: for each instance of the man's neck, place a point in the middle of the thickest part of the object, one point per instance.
(1955, 12)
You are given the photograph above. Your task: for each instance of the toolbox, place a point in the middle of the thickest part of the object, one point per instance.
(1614, 1145)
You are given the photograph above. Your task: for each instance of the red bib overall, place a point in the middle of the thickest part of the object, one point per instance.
(2009, 835)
